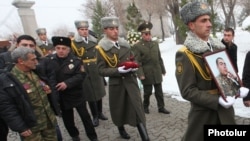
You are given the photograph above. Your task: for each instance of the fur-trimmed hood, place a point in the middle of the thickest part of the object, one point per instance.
(107, 44)
(78, 38)
(196, 45)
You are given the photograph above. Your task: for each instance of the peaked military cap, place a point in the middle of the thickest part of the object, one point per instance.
(109, 22)
(58, 40)
(41, 31)
(191, 11)
(145, 27)
(81, 24)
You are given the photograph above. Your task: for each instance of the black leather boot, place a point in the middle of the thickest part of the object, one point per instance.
(99, 107)
(95, 121)
(123, 132)
(146, 103)
(94, 112)
(143, 132)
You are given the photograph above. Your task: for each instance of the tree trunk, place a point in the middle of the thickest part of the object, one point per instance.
(162, 29)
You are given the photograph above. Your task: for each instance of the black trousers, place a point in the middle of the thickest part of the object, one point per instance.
(158, 95)
(95, 107)
(3, 130)
(68, 119)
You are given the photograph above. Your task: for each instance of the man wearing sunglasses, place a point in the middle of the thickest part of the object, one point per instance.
(151, 69)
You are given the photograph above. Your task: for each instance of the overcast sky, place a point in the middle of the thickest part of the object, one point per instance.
(49, 14)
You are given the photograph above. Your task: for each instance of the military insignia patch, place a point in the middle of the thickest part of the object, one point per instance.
(179, 68)
(71, 66)
(114, 22)
(204, 6)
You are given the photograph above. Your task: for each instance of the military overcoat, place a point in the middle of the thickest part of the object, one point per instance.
(197, 86)
(124, 94)
(148, 55)
(93, 84)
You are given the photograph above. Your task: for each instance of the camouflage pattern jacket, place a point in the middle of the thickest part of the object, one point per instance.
(19, 110)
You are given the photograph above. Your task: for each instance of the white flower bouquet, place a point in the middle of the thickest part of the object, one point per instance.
(133, 37)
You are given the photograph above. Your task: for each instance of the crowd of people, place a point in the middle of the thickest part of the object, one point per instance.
(47, 78)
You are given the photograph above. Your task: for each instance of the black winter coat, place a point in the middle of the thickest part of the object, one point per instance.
(246, 74)
(15, 106)
(71, 71)
(6, 64)
(232, 53)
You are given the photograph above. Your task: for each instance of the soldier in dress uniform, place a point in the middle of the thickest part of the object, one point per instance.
(227, 81)
(84, 47)
(43, 42)
(69, 76)
(124, 93)
(24, 104)
(152, 68)
(195, 82)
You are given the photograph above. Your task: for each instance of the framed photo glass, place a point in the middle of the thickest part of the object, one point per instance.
(223, 72)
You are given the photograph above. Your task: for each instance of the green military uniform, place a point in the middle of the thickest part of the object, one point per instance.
(124, 94)
(229, 87)
(197, 86)
(46, 120)
(148, 55)
(93, 85)
(46, 46)
(85, 48)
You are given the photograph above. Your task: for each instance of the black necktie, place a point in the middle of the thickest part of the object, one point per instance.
(86, 39)
(210, 46)
(117, 45)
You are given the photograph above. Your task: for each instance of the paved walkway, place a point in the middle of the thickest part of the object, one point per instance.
(160, 127)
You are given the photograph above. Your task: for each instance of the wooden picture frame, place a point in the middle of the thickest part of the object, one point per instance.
(223, 72)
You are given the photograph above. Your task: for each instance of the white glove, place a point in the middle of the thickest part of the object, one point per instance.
(134, 69)
(243, 92)
(122, 70)
(229, 103)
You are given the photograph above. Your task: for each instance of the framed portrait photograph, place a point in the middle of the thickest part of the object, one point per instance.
(223, 72)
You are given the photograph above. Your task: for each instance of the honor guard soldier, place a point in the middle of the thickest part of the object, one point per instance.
(69, 76)
(84, 47)
(151, 69)
(194, 79)
(115, 60)
(43, 42)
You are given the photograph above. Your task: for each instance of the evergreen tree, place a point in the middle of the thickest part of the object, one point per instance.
(134, 17)
(96, 18)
